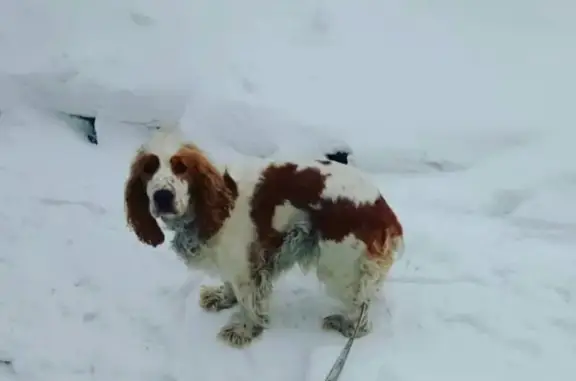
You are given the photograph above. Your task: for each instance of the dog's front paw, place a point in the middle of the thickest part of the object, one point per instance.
(217, 298)
(346, 327)
(239, 335)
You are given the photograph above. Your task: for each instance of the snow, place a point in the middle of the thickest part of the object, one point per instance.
(461, 113)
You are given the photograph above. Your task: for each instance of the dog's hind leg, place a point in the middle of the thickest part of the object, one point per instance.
(354, 278)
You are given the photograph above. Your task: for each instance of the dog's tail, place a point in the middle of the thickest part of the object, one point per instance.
(300, 246)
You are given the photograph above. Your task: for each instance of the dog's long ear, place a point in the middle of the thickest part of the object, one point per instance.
(137, 203)
(210, 195)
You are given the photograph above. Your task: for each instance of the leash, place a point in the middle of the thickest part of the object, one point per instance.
(336, 370)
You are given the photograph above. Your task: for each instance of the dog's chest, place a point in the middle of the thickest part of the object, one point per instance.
(187, 245)
(218, 256)
(224, 255)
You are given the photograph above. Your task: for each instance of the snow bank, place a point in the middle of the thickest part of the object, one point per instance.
(393, 80)
(255, 130)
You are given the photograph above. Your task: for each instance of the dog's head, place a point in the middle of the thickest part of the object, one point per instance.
(170, 180)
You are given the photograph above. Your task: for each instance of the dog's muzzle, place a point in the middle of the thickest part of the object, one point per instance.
(164, 201)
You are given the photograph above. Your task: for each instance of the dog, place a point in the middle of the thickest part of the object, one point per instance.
(251, 222)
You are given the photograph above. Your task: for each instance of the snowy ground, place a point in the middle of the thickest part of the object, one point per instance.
(464, 119)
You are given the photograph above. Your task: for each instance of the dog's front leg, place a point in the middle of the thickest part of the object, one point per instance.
(249, 321)
(217, 298)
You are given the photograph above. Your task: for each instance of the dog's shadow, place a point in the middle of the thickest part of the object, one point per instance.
(297, 307)
(295, 331)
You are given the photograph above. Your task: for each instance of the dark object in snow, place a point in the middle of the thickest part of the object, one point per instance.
(6, 365)
(338, 156)
(90, 126)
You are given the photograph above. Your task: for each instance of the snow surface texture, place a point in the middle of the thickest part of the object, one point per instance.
(462, 112)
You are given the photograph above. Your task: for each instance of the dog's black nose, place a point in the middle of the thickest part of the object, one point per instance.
(164, 200)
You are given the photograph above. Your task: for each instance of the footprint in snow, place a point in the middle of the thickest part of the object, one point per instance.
(91, 207)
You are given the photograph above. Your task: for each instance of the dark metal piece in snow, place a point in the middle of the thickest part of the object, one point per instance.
(338, 156)
(8, 365)
(336, 370)
(90, 122)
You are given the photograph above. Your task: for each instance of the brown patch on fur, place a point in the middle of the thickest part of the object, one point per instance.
(277, 185)
(136, 201)
(372, 223)
(212, 195)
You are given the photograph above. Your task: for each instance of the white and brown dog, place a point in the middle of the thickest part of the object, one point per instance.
(250, 226)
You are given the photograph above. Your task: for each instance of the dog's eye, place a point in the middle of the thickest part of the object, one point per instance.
(151, 165)
(178, 167)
